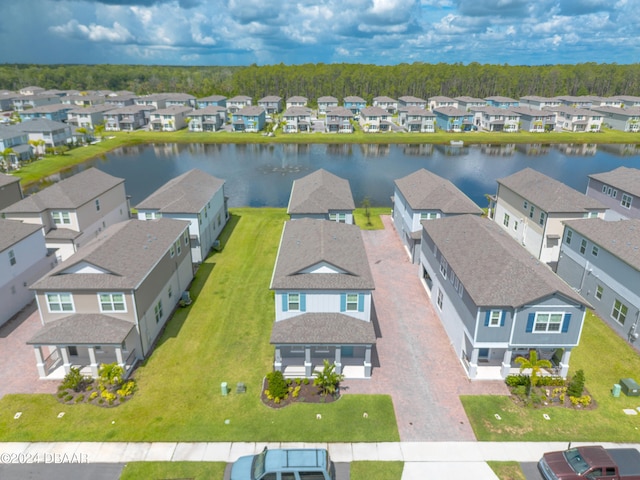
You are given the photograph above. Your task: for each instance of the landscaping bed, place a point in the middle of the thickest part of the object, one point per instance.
(299, 392)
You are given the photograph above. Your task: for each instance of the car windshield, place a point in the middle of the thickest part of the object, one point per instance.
(258, 464)
(575, 460)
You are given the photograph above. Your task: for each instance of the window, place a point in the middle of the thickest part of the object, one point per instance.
(428, 215)
(583, 246)
(567, 238)
(440, 299)
(61, 218)
(599, 290)
(626, 200)
(172, 250)
(525, 205)
(515, 225)
(338, 217)
(293, 301)
(186, 238)
(352, 302)
(505, 220)
(60, 302)
(494, 318)
(97, 204)
(615, 193)
(443, 267)
(542, 218)
(619, 312)
(531, 210)
(12, 258)
(547, 322)
(157, 310)
(609, 191)
(594, 251)
(178, 247)
(112, 302)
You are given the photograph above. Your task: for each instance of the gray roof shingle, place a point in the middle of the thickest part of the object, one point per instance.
(549, 194)
(320, 192)
(424, 190)
(623, 178)
(13, 231)
(323, 328)
(83, 329)
(8, 180)
(308, 242)
(493, 268)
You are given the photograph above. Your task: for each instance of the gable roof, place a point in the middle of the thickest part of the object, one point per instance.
(13, 231)
(70, 193)
(187, 193)
(620, 238)
(623, 178)
(127, 250)
(549, 194)
(493, 268)
(424, 190)
(308, 242)
(320, 192)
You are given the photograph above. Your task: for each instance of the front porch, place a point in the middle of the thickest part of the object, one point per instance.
(499, 363)
(302, 361)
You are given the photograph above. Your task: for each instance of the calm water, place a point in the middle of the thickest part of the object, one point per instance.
(261, 175)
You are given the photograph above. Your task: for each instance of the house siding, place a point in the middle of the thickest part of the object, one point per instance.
(616, 210)
(324, 302)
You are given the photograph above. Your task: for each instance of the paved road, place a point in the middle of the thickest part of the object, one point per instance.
(41, 471)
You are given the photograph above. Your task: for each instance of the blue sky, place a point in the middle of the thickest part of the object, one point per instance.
(385, 32)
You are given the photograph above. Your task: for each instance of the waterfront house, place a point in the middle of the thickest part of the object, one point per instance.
(411, 101)
(374, 120)
(624, 119)
(271, 104)
(535, 120)
(423, 195)
(249, 119)
(322, 287)
(24, 258)
(52, 133)
(494, 119)
(88, 117)
(297, 119)
(10, 190)
(321, 195)
(577, 119)
(14, 144)
(296, 101)
(338, 120)
(73, 211)
(452, 119)
(326, 103)
(194, 196)
(170, 119)
(110, 301)
(387, 103)
(416, 119)
(354, 103)
(618, 190)
(439, 101)
(237, 103)
(212, 101)
(208, 119)
(499, 304)
(127, 119)
(531, 207)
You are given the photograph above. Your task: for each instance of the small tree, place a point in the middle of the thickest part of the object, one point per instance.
(535, 364)
(576, 385)
(366, 204)
(327, 380)
(111, 374)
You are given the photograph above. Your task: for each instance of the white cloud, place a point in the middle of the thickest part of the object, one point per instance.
(95, 33)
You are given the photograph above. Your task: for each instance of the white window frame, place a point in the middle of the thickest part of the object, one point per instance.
(158, 311)
(61, 217)
(293, 301)
(178, 247)
(626, 201)
(595, 250)
(604, 189)
(541, 321)
(443, 267)
(619, 310)
(107, 298)
(567, 237)
(583, 246)
(351, 302)
(532, 210)
(506, 219)
(494, 318)
(428, 216)
(543, 217)
(12, 258)
(55, 299)
(599, 292)
(97, 204)
(172, 250)
(440, 299)
(186, 238)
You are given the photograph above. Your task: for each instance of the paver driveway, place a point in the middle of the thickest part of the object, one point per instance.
(417, 365)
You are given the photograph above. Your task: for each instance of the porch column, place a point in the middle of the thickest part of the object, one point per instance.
(40, 361)
(119, 358)
(367, 361)
(473, 363)
(277, 364)
(506, 363)
(564, 363)
(94, 364)
(338, 359)
(308, 366)
(66, 364)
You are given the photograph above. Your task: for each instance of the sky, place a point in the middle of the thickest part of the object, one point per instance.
(266, 32)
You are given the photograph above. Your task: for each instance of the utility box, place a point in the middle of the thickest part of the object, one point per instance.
(616, 390)
(223, 389)
(630, 387)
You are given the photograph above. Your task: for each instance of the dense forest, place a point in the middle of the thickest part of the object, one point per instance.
(339, 80)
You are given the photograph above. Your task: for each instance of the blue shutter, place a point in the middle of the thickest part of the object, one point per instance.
(503, 315)
(530, 320)
(343, 302)
(361, 302)
(486, 318)
(565, 322)
(303, 302)
(285, 302)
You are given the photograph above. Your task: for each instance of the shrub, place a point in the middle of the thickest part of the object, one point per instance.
(75, 381)
(327, 380)
(517, 380)
(79, 398)
(277, 385)
(551, 381)
(576, 385)
(109, 396)
(61, 394)
(305, 381)
(127, 388)
(296, 392)
(93, 395)
(68, 398)
(111, 374)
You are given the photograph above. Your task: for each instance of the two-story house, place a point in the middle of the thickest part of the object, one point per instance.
(156, 100)
(494, 119)
(249, 119)
(296, 101)
(531, 207)
(572, 101)
(88, 117)
(499, 304)
(601, 261)
(618, 190)
(501, 102)
(628, 101)
(423, 195)
(56, 112)
(535, 120)
(23, 260)
(237, 103)
(271, 104)
(374, 120)
(326, 103)
(354, 103)
(577, 119)
(14, 144)
(297, 119)
(466, 102)
(194, 196)
(416, 119)
(624, 119)
(338, 120)
(74, 210)
(440, 101)
(213, 101)
(170, 119)
(51, 133)
(10, 190)
(127, 119)
(537, 102)
(411, 101)
(25, 102)
(452, 119)
(323, 306)
(208, 119)
(179, 99)
(321, 195)
(387, 103)
(109, 301)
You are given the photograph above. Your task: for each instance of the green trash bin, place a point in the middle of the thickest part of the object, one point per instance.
(615, 391)
(223, 389)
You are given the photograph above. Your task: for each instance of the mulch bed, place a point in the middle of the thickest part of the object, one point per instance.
(552, 400)
(71, 397)
(308, 394)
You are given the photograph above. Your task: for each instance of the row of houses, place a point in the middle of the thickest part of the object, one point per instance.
(105, 283)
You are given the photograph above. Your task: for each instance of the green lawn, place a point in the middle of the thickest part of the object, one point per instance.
(376, 470)
(605, 359)
(222, 337)
(507, 470)
(374, 222)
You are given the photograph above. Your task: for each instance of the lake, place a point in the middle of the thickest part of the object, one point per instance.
(259, 175)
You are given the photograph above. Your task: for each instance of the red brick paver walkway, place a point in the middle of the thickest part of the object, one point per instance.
(417, 365)
(18, 373)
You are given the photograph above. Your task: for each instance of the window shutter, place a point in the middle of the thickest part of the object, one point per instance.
(486, 318)
(343, 302)
(565, 322)
(503, 315)
(303, 302)
(530, 320)
(361, 302)
(285, 302)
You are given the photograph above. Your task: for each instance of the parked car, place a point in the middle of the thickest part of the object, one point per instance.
(281, 464)
(591, 463)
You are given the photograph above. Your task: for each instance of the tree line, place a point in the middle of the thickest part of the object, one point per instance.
(422, 80)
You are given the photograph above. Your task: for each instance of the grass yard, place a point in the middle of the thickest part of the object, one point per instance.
(605, 359)
(173, 470)
(375, 222)
(507, 470)
(222, 337)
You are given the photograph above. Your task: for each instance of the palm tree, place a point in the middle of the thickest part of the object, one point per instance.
(535, 364)
(327, 380)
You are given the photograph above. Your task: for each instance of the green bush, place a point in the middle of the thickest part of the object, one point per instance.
(517, 380)
(278, 386)
(576, 385)
(79, 398)
(551, 381)
(68, 398)
(75, 381)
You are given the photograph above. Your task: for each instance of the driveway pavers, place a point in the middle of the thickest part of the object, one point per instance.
(417, 365)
